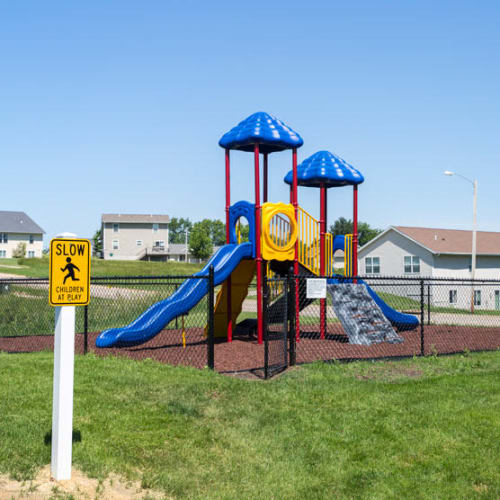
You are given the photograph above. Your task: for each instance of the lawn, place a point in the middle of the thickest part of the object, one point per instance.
(422, 428)
(39, 268)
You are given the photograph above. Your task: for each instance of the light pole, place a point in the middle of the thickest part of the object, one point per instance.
(474, 229)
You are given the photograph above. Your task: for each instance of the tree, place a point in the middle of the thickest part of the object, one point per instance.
(20, 251)
(200, 244)
(217, 231)
(345, 226)
(177, 229)
(97, 243)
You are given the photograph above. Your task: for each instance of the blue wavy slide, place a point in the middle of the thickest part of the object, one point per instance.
(153, 320)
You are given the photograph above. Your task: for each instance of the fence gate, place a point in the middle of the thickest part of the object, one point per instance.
(275, 326)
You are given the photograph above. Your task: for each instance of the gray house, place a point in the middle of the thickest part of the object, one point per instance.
(439, 253)
(17, 228)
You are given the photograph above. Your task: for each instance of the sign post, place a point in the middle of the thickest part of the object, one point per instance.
(69, 286)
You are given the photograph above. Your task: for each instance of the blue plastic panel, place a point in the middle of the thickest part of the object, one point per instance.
(247, 210)
(325, 168)
(261, 128)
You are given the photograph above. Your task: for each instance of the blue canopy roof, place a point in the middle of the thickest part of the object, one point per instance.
(261, 128)
(325, 168)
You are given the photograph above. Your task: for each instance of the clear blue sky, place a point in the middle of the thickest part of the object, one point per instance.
(117, 106)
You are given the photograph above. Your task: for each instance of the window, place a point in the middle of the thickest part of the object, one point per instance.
(453, 296)
(372, 265)
(116, 228)
(477, 297)
(32, 240)
(31, 254)
(138, 243)
(182, 258)
(116, 245)
(3, 253)
(156, 227)
(160, 243)
(4, 238)
(412, 264)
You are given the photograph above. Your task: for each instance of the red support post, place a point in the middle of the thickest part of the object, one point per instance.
(296, 260)
(264, 196)
(228, 204)
(322, 256)
(355, 231)
(260, 322)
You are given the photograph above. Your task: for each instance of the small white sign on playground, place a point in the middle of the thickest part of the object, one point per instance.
(316, 288)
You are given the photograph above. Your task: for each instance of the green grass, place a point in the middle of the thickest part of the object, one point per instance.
(39, 268)
(423, 428)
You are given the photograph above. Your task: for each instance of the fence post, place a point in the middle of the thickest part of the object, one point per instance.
(422, 319)
(290, 283)
(428, 304)
(85, 329)
(264, 326)
(210, 345)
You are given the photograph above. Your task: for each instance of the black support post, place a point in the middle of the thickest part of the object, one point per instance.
(264, 325)
(291, 315)
(211, 295)
(422, 318)
(85, 329)
(428, 304)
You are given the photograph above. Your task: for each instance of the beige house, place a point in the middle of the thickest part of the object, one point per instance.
(17, 228)
(135, 236)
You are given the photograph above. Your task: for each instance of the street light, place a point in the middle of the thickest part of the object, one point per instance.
(474, 228)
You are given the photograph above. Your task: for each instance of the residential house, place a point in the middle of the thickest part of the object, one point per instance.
(438, 253)
(17, 228)
(134, 236)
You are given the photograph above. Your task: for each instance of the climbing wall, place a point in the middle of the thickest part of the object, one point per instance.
(362, 319)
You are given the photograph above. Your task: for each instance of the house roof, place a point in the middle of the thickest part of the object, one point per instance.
(141, 218)
(261, 128)
(18, 222)
(454, 241)
(448, 241)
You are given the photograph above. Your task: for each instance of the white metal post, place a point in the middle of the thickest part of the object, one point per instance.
(62, 409)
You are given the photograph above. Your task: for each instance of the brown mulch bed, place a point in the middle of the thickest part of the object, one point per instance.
(245, 355)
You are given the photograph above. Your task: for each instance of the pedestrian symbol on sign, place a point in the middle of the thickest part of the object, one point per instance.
(70, 267)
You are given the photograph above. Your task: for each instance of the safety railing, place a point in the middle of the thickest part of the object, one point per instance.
(280, 230)
(308, 241)
(329, 254)
(348, 255)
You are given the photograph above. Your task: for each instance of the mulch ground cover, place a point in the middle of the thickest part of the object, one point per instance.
(245, 355)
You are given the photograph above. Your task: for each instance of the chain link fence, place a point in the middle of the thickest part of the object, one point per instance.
(376, 318)
(27, 319)
(372, 318)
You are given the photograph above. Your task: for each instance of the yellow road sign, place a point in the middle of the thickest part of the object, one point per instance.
(69, 283)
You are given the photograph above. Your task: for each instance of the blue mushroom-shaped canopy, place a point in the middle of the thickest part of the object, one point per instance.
(324, 168)
(261, 128)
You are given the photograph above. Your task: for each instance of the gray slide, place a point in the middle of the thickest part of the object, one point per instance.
(362, 319)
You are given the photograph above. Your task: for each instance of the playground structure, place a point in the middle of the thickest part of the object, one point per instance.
(282, 237)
